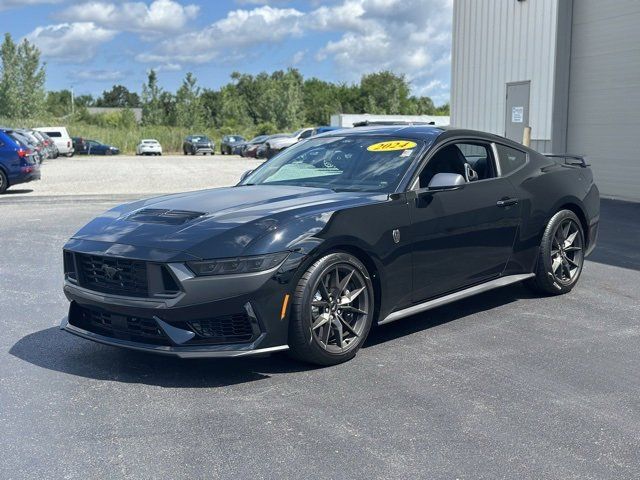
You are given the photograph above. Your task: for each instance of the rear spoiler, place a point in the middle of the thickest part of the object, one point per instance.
(576, 160)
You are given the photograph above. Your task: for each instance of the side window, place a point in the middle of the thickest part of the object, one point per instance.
(471, 160)
(510, 159)
(306, 134)
(54, 134)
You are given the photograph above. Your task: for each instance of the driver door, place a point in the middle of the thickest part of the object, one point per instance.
(464, 235)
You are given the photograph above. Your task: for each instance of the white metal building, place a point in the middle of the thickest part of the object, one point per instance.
(570, 69)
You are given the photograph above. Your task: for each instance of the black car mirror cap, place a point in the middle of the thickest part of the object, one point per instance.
(446, 181)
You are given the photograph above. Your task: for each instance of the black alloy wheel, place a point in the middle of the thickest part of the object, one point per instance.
(332, 310)
(561, 255)
(4, 182)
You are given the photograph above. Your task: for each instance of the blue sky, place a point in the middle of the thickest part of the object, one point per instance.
(91, 45)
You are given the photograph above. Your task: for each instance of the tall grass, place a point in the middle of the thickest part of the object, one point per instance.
(126, 138)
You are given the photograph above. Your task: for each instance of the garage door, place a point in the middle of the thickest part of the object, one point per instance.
(604, 93)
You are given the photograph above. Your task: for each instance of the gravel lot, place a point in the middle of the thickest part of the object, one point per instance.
(123, 174)
(503, 385)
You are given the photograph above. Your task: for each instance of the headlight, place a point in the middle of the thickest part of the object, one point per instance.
(230, 266)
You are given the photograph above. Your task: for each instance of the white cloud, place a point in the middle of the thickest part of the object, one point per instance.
(157, 17)
(74, 42)
(298, 57)
(238, 30)
(7, 4)
(405, 36)
(98, 75)
(412, 37)
(168, 67)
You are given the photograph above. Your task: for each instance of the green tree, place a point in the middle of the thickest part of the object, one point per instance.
(58, 103)
(152, 111)
(9, 78)
(31, 78)
(321, 100)
(119, 96)
(385, 93)
(288, 104)
(189, 109)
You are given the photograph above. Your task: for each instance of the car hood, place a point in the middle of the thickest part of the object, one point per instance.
(221, 222)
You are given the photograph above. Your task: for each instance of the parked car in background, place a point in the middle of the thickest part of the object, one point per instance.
(18, 164)
(149, 147)
(32, 142)
(263, 150)
(195, 144)
(279, 142)
(61, 137)
(49, 145)
(230, 143)
(79, 145)
(94, 147)
(249, 148)
(324, 129)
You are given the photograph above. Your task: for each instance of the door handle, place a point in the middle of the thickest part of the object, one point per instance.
(507, 202)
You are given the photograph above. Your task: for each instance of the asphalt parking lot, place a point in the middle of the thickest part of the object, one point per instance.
(127, 175)
(503, 385)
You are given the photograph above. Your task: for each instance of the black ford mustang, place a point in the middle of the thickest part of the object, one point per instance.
(347, 229)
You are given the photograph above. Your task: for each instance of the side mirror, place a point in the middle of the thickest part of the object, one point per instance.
(446, 181)
(245, 175)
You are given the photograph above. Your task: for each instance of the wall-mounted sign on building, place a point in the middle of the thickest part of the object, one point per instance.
(517, 114)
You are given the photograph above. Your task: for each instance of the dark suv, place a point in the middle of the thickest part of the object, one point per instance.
(17, 161)
(195, 144)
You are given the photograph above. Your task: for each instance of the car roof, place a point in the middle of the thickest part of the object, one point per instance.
(413, 132)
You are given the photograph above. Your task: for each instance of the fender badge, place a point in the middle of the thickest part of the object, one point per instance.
(396, 235)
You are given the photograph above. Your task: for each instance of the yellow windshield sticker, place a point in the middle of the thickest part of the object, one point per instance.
(391, 146)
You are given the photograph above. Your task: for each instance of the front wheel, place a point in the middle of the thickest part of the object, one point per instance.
(332, 310)
(561, 255)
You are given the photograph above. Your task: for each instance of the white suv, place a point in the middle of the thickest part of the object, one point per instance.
(61, 137)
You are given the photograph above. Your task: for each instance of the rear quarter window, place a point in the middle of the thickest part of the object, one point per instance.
(54, 134)
(510, 159)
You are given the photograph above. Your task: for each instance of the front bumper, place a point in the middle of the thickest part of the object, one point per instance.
(218, 316)
(201, 351)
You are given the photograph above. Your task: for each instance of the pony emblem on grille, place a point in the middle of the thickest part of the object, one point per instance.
(111, 272)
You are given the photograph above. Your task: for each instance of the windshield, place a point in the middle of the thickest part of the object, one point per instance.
(371, 164)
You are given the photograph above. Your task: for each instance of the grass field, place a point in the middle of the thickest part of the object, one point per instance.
(126, 138)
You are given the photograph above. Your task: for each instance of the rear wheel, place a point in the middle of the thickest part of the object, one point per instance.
(332, 310)
(4, 182)
(561, 255)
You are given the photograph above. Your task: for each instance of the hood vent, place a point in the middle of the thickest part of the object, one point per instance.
(163, 216)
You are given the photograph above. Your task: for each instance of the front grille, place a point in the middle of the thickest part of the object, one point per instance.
(224, 329)
(122, 327)
(118, 276)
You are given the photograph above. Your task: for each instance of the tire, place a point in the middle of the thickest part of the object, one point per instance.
(4, 182)
(561, 255)
(324, 327)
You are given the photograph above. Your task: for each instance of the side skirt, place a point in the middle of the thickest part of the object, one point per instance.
(452, 297)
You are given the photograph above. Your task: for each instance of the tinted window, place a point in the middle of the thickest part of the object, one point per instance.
(471, 160)
(340, 163)
(54, 134)
(510, 158)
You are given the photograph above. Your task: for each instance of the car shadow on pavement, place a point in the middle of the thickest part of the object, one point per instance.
(56, 350)
(17, 191)
(59, 351)
(448, 313)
